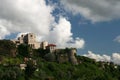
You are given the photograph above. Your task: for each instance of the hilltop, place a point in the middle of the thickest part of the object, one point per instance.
(25, 63)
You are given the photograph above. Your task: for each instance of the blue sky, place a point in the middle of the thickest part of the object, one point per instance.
(97, 30)
(99, 36)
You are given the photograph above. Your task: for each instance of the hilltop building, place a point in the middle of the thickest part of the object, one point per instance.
(30, 39)
(51, 47)
(61, 56)
(44, 44)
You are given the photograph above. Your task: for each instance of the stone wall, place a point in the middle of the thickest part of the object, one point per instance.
(66, 56)
(72, 57)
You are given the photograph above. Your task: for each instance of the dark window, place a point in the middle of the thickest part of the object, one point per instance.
(22, 35)
(18, 38)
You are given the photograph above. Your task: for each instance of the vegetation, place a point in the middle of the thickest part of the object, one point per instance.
(7, 47)
(24, 50)
(39, 66)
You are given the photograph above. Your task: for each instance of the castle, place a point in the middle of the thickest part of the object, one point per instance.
(30, 39)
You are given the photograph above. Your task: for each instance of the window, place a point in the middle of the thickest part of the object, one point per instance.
(19, 38)
(22, 35)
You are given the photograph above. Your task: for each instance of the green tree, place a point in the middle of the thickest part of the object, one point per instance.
(24, 50)
(7, 47)
(29, 71)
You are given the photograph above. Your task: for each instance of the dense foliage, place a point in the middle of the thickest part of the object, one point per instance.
(40, 68)
(24, 50)
(61, 71)
(7, 47)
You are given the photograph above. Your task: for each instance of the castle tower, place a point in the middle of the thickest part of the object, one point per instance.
(21, 39)
(72, 57)
(31, 38)
(44, 44)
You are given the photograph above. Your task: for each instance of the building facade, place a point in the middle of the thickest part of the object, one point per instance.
(30, 39)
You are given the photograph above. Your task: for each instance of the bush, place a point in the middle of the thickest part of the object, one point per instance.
(50, 57)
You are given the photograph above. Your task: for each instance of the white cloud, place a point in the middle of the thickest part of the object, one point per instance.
(36, 17)
(26, 15)
(62, 36)
(117, 39)
(115, 58)
(98, 57)
(3, 31)
(94, 10)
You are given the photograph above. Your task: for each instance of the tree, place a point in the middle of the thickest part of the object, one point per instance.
(24, 50)
(7, 47)
(29, 70)
(50, 57)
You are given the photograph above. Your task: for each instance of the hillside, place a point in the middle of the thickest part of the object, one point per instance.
(41, 66)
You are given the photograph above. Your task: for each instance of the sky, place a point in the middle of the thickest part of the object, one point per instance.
(92, 26)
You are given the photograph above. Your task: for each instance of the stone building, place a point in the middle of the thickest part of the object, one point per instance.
(30, 39)
(62, 55)
(51, 47)
(44, 44)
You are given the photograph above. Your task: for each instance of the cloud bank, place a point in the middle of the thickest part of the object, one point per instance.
(98, 57)
(115, 58)
(94, 10)
(36, 16)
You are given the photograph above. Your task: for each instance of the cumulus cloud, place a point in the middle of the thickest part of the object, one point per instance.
(115, 57)
(117, 39)
(3, 31)
(61, 35)
(25, 15)
(98, 57)
(94, 10)
(36, 16)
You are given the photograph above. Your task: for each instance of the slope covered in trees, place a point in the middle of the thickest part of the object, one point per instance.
(40, 68)
(7, 47)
